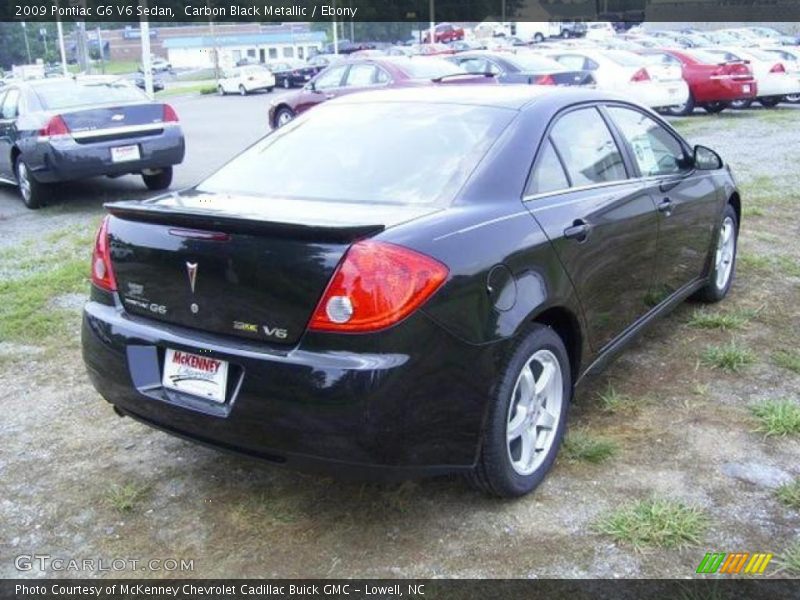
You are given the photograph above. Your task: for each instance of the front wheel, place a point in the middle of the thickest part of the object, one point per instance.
(220, 90)
(527, 416)
(721, 276)
(158, 180)
(242, 90)
(33, 193)
(792, 98)
(283, 116)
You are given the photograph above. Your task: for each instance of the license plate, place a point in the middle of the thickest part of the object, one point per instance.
(125, 153)
(195, 375)
(746, 89)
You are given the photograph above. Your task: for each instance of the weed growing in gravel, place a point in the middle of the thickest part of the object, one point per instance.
(789, 494)
(613, 401)
(788, 359)
(655, 522)
(582, 446)
(752, 262)
(728, 357)
(704, 319)
(124, 498)
(789, 561)
(777, 417)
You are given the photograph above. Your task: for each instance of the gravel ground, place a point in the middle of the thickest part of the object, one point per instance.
(80, 482)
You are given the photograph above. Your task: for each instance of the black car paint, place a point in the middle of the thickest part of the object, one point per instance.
(508, 72)
(68, 159)
(412, 399)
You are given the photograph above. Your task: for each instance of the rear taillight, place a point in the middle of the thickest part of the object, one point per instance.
(170, 116)
(55, 126)
(102, 272)
(544, 80)
(641, 75)
(375, 286)
(778, 68)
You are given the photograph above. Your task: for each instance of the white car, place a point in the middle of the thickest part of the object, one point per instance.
(600, 30)
(790, 57)
(243, 80)
(629, 74)
(773, 79)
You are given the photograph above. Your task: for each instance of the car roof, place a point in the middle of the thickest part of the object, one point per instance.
(515, 97)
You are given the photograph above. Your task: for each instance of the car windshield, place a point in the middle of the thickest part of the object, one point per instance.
(428, 68)
(69, 94)
(532, 62)
(626, 59)
(398, 153)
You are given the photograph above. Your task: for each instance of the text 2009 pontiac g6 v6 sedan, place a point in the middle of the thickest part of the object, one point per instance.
(418, 301)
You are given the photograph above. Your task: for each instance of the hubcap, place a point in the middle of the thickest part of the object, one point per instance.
(284, 118)
(725, 249)
(534, 412)
(24, 181)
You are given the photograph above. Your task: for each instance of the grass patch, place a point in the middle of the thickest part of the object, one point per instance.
(125, 498)
(184, 90)
(789, 561)
(581, 446)
(789, 494)
(655, 523)
(613, 401)
(788, 359)
(753, 262)
(753, 211)
(728, 357)
(704, 319)
(777, 417)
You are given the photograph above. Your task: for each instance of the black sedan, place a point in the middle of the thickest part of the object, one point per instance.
(158, 85)
(290, 74)
(317, 309)
(521, 67)
(55, 130)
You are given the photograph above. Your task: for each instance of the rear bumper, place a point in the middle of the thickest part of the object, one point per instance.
(65, 159)
(725, 90)
(657, 95)
(406, 403)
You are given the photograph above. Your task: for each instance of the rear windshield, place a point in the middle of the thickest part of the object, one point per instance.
(532, 62)
(428, 68)
(712, 57)
(626, 59)
(399, 153)
(71, 94)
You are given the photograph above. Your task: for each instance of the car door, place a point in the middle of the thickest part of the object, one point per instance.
(363, 76)
(602, 224)
(687, 199)
(326, 86)
(9, 101)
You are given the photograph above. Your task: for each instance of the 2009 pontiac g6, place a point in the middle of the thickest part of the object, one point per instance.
(407, 282)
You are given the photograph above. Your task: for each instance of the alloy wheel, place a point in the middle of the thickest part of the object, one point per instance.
(24, 181)
(725, 250)
(534, 412)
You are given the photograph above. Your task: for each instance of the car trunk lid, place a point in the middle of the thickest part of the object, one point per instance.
(246, 267)
(115, 122)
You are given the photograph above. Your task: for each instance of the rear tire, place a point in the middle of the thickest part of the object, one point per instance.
(286, 83)
(158, 181)
(792, 98)
(269, 90)
(221, 90)
(721, 277)
(714, 108)
(687, 108)
(531, 400)
(242, 90)
(770, 102)
(33, 193)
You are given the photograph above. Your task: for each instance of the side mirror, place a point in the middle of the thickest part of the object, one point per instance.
(311, 87)
(705, 159)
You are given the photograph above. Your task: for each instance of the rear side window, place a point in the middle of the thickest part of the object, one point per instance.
(587, 148)
(10, 105)
(548, 174)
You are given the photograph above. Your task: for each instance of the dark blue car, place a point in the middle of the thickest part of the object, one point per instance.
(55, 130)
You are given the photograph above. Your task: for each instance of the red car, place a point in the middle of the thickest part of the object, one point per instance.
(357, 75)
(713, 85)
(444, 33)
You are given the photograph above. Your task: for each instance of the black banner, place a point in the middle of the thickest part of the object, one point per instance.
(361, 589)
(178, 11)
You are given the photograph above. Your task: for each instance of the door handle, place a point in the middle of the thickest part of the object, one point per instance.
(665, 206)
(579, 231)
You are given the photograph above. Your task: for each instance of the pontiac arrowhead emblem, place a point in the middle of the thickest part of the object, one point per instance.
(191, 270)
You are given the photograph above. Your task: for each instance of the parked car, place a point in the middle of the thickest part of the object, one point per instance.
(620, 71)
(599, 30)
(443, 33)
(522, 67)
(467, 45)
(431, 49)
(790, 58)
(773, 80)
(713, 83)
(289, 74)
(158, 85)
(319, 62)
(775, 36)
(157, 65)
(422, 299)
(357, 75)
(55, 130)
(245, 80)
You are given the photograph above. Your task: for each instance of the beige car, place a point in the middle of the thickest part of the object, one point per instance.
(243, 80)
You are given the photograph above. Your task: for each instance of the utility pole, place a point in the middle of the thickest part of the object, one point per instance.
(214, 49)
(61, 48)
(100, 48)
(147, 64)
(335, 31)
(27, 44)
(432, 35)
(43, 35)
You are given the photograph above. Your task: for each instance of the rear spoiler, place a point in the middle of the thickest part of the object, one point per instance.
(209, 220)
